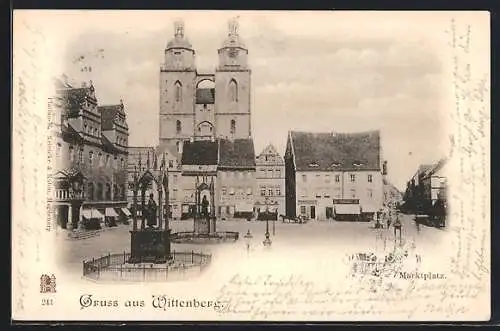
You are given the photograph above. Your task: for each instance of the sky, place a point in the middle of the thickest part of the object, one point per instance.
(319, 72)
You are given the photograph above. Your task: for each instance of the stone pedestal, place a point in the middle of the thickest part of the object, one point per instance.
(150, 246)
(202, 225)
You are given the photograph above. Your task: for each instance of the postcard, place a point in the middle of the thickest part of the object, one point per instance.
(251, 166)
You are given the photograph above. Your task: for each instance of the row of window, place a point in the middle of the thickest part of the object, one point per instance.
(270, 192)
(91, 130)
(269, 158)
(102, 191)
(121, 141)
(353, 193)
(352, 178)
(96, 132)
(270, 173)
(233, 91)
(178, 127)
(236, 191)
(100, 160)
(236, 175)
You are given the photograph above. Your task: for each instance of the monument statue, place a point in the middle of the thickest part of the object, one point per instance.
(204, 207)
(151, 212)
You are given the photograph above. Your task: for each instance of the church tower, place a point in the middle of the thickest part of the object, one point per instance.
(232, 83)
(177, 88)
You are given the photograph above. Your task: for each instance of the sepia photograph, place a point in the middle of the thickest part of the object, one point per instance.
(251, 166)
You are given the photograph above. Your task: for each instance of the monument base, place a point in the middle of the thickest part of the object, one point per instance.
(150, 246)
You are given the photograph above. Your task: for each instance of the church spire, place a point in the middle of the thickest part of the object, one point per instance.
(179, 29)
(233, 27)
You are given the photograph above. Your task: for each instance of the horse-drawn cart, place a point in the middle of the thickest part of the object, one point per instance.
(295, 220)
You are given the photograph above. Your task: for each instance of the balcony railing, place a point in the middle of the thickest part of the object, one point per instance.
(62, 194)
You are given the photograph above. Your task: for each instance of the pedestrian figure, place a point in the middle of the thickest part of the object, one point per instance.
(397, 227)
(417, 223)
(388, 216)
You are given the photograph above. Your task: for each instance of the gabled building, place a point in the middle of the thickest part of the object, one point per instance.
(270, 174)
(333, 175)
(90, 147)
(230, 166)
(236, 184)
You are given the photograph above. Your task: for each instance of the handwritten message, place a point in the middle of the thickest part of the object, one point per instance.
(270, 297)
(470, 196)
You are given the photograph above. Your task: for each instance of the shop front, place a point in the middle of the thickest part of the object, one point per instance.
(346, 210)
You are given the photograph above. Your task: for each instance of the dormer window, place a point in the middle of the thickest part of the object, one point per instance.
(357, 163)
(313, 165)
(335, 164)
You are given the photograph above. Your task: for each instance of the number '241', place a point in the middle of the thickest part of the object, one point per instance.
(47, 302)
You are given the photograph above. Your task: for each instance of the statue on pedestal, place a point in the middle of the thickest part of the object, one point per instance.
(151, 212)
(204, 207)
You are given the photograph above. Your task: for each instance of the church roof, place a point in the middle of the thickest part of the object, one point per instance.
(237, 153)
(233, 41)
(200, 152)
(205, 96)
(336, 151)
(179, 42)
(227, 154)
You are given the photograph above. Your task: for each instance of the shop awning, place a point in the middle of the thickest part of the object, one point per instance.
(126, 212)
(347, 209)
(244, 207)
(91, 213)
(370, 208)
(110, 212)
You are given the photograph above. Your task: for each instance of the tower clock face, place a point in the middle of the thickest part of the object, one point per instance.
(233, 54)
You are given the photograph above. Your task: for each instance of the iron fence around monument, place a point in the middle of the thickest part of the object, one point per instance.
(115, 267)
(190, 235)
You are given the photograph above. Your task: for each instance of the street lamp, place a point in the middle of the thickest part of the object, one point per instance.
(248, 237)
(268, 214)
(267, 241)
(274, 222)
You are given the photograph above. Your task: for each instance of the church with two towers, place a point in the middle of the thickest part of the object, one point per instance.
(205, 128)
(204, 106)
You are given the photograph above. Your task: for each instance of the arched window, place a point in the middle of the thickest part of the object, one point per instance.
(178, 91)
(108, 191)
(58, 151)
(99, 191)
(178, 126)
(233, 90)
(233, 126)
(90, 191)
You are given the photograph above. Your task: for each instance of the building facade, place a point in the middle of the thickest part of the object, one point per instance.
(90, 151)
(204, 106)
(270, 174)
(227, 164)
(333, 175)
(426, 188)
